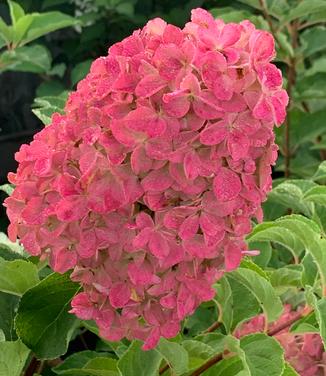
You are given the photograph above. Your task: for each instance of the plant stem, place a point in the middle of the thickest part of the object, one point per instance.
(215, 359)
(163, 369)
(213, 327)
(299, 315)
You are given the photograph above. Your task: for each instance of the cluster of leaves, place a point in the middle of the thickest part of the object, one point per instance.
(35, 326)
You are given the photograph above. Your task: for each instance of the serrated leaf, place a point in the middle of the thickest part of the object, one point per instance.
(246, 263)
(198, 352)
(309, 234)
(13, 356)
(17, 276)
(237, 302)
(43, 322)
(175, 355)
(310, 271)
(258, 353)
(284, 278)
(271, 231)
(133, 361)
(261, 289)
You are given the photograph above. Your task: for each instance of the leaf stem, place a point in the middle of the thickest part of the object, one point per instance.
(215, 359)
(299, 315)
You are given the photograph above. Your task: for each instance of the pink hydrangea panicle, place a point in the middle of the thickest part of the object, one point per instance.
(146, 186)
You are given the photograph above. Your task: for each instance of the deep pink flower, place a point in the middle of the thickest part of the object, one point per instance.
(146, 186)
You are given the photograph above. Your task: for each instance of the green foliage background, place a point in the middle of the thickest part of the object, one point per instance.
(48, 45)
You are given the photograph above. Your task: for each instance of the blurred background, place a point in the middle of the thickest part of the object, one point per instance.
(46, 47)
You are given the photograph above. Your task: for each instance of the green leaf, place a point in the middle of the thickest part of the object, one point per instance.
(136, 362)
(76, 361)
(305, 8)
(79, 71)
(226, 367)
(246, 263)
(310, 271)
(7, 188)
(35, 59)
(5, 31)
(300, 133)
(272, 232)
(21, 28)
(317, 195)
(320, 174)
(291, 194)
(17, 276)
(287, 277)
(45, 107)
(310, 88)
(265, 255)
(44, 23)
(309, 234)
(13, 356)
(95, 366)
(175, 355)
(43, 322)
(7, 246)
(8, 308)
(259, 353)
(321, 317)
(261, 289)
(307, 324)
(313, 40)
(229, 14)
(16, 11)
(198, 352)
(233, 306)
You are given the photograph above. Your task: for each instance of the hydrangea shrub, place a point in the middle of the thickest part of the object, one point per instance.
(147, 185)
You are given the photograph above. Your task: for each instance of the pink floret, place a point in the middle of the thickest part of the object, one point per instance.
(146, 186)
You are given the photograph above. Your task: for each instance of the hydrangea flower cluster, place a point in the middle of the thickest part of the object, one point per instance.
(305, 352)
(148, 183)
